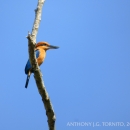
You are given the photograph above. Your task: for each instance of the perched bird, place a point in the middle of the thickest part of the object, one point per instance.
(40, 52)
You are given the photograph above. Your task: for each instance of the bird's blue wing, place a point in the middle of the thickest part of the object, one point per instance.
(37, 52)
(28, 65)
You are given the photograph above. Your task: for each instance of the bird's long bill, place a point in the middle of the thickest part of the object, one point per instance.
(53, 47)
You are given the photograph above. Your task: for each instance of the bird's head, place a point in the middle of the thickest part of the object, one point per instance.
(45, 46)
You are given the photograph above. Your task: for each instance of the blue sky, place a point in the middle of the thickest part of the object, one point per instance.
(87, 78)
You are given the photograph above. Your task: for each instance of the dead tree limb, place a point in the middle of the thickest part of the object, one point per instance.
(37, 73)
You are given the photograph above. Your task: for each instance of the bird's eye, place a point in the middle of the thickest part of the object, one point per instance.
(43, 44)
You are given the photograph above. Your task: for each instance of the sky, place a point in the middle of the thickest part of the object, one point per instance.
(87, 78)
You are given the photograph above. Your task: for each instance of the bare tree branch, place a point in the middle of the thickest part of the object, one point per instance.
(38, 13)
(37, 73)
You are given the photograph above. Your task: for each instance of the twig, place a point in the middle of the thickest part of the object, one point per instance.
(37, 73)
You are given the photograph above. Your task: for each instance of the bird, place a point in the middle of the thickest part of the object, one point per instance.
(40, 52)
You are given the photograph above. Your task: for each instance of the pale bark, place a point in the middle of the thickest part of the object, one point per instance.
(37, 73)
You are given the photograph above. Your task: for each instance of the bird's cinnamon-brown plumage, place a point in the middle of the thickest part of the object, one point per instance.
(40, 52)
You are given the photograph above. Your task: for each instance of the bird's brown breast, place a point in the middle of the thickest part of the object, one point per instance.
(41, 57)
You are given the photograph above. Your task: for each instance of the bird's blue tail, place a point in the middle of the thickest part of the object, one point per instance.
(27, 81)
